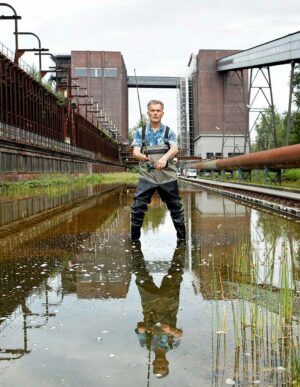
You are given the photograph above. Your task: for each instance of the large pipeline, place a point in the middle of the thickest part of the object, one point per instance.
(284, 157)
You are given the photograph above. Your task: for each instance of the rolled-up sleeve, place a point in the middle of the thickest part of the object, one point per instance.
(137, 138)
(172, 137)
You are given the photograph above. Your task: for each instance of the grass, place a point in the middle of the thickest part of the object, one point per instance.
(54, 183)
(261, 294)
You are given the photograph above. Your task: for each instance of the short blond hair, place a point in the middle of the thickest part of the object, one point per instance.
(155, 102)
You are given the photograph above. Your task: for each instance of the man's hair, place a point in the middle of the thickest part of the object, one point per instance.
(155, 102)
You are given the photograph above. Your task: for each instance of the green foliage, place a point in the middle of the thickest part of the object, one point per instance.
(265, 133)
(34, 73)
(296, 84)
(292, 174)
(154, 219)
(294, 136)
(141, 122)
(47, 86)
(61, 99)
(130, 135)
(264, 128)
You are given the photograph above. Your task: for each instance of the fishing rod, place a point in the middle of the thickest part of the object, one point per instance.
(149, 165)
(138, 94)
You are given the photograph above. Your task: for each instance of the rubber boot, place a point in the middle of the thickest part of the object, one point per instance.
(180, 229)
(135, 232)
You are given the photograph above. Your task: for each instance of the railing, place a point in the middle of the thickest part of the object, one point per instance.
(21, 135)
(11, 55)
(12, 133)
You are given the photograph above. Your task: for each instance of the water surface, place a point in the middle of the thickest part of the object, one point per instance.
(81, 306)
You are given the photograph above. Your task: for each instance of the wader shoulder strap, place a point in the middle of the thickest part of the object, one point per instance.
(167, 136)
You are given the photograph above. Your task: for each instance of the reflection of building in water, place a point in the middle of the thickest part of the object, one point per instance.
(102, 267)
(235, 244)
(31, 257)
(218, 227)
(36, 216)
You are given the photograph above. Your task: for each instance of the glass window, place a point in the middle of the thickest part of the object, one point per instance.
(99, 73)
(81, 72)
(92, 72)
(111, 72)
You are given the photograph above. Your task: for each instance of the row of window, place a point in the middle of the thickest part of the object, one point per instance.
(211, 155)
(96, 72)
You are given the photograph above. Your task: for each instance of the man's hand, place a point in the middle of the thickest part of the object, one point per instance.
(145, 158)
(138, 155)
(162, 162)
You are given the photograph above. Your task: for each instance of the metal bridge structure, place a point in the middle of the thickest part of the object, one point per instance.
(153, 82)
(259, 59)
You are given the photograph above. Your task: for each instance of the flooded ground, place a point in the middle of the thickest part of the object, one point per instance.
(81, 306)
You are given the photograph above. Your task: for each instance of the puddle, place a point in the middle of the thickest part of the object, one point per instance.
(80, 305)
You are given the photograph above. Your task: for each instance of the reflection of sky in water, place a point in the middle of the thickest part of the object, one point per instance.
(270, 250)
(79, 313)
(159, 244)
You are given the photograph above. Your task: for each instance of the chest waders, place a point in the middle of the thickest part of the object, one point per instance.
(152, 179)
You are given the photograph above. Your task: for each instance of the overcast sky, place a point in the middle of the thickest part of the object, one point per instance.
(155, 37)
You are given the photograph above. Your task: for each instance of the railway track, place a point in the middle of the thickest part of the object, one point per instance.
(283, 201)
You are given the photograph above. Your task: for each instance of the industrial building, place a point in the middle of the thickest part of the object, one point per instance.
(104, 75)
(101, 94)
(217, 107)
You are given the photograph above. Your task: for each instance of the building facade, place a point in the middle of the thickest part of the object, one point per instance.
(220, 114)
(104, 77)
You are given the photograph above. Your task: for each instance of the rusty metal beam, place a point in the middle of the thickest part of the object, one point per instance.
(284, 157)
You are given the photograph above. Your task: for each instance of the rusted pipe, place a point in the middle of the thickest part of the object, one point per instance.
(284, 157)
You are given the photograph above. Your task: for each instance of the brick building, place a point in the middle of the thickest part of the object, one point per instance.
(104, 75)
(220, 115)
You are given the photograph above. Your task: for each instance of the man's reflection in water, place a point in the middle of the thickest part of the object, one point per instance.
(158, 331)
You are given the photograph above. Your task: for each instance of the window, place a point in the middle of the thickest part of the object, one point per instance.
(209, 155)
(81, 72)
(110, 73)
(95, 72)
(92, 72)
(99, 73)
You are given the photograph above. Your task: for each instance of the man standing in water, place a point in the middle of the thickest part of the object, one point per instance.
(155, 146)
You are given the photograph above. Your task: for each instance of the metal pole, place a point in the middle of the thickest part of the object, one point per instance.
(40, 47)
(289, 118)
(16, 22)
(248, 115)
(273, 111)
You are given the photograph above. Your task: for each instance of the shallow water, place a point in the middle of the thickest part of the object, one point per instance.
(81, 306)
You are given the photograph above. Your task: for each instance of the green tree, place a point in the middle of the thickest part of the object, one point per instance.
(294, 136)
(265, 133)
(141, 122)
(296, 84)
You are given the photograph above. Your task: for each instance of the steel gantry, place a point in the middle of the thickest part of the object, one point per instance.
(284, 50)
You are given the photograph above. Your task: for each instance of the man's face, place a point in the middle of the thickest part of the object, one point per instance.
(155, 113)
